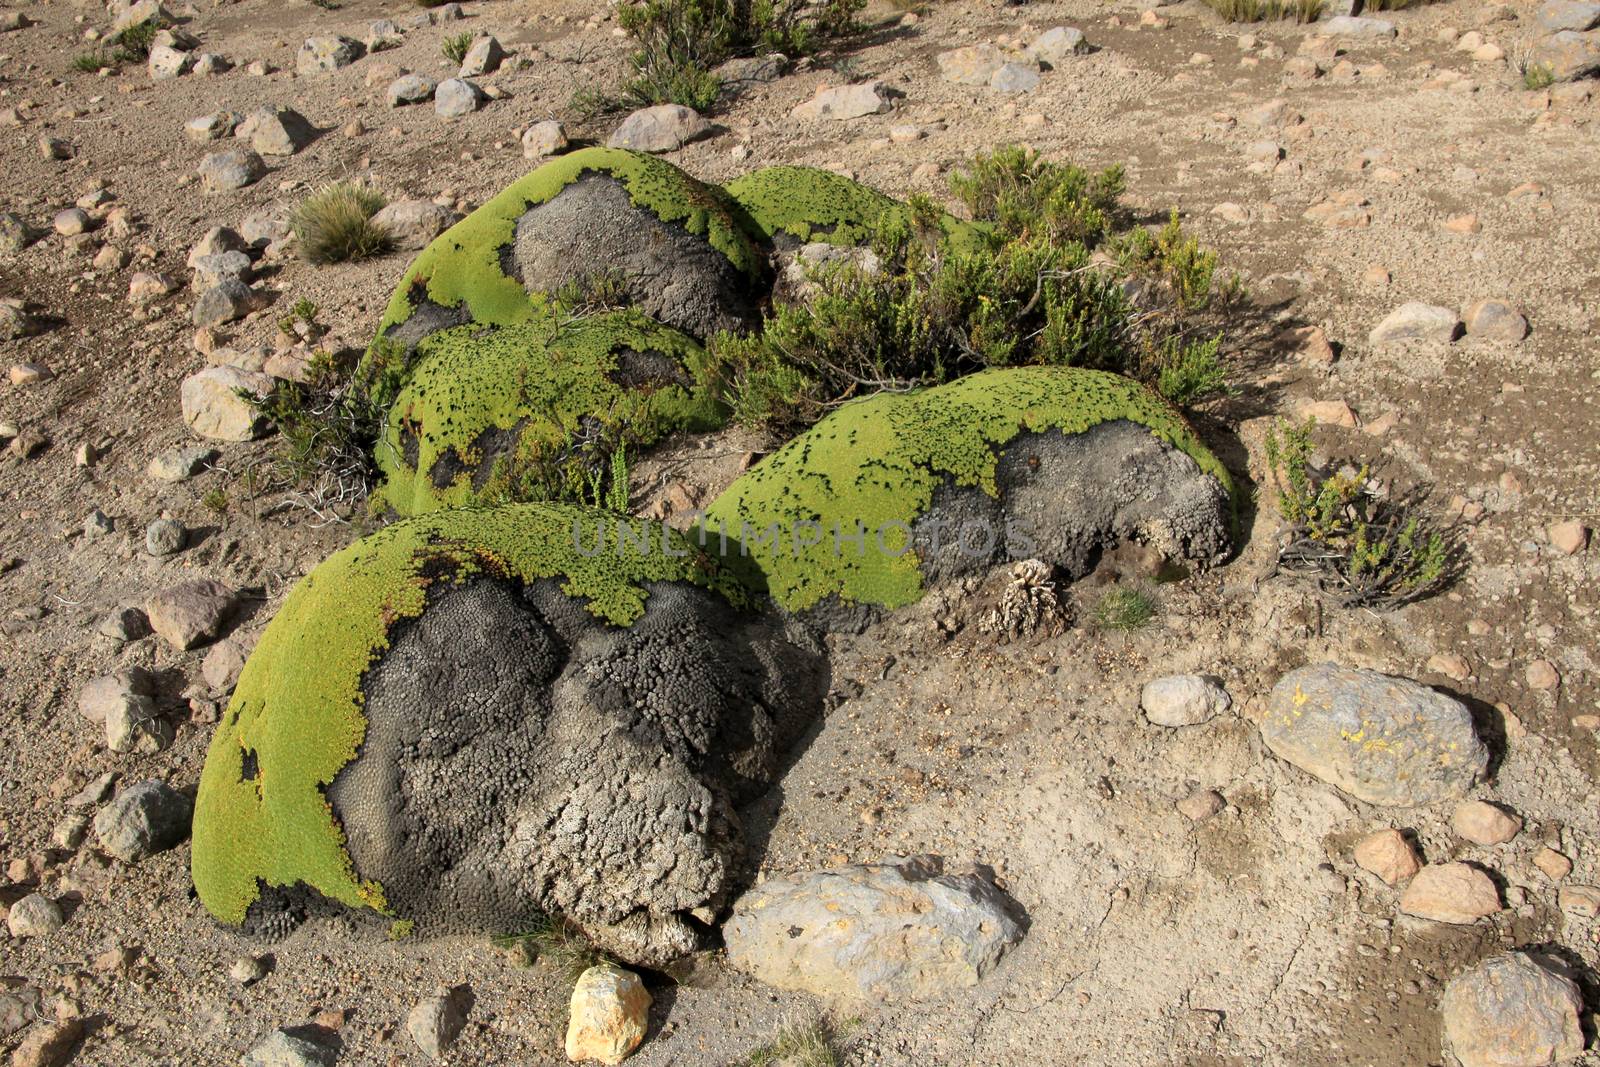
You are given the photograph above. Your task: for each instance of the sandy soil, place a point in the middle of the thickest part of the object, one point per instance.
(1251, 938)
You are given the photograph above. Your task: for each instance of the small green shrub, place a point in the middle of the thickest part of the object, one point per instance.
(1267, 10)
(1123, 609)
(215, 501)
(680, 41)
(133, 44)
(928, 307)
(334, 224)
(556, 941)
(92, 61)
(1366, 549)
(811, 1044)
(1025, 195)
(1536, 76)
(1177, 260)
(329, 423)
(456, 46)
(1190, 372)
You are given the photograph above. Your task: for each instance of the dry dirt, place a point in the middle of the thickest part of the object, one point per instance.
(1250, 938)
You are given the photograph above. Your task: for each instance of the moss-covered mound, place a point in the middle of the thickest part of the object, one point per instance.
(788, 204)
(1039, 462)
(263, 817)
(468, 274)
(532, 411)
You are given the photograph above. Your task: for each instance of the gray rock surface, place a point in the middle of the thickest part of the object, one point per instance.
(212, 270)
(276, 131)
(231, 168)
(410, 89)
(973, 64)
(1015, 78)
(1573, 15)
(191, 613)
(15, 234)
(35, 915)
(99, 695)
(435, 1023)
(455, 97)
(294, 1046)
(165, 536)
(662, 128)
(1382, 739)
(1183, 700)
(484, 57)
(1513, 1010)
(321, 54)
(134, 724)
(213, 408)
(414, 223)
(1568, 55)
(165, 62)
(1356, 26)
(181, 463)
(142, 820)
(1495, 320)
(523, 758)
(845, 102)
(543, 139)
(1055, 45)
(669, 273)
(215, 126)
(876, 932)
(227, 300)
(1416, 321)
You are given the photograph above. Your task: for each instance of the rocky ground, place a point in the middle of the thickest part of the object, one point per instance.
(1190, 897)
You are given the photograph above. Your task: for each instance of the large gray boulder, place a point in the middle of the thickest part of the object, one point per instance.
(1568, 55)
(1575, 15)
(1382, 739)
(1513, 1010)
(876, 932)
(670, 274)
(522, 757)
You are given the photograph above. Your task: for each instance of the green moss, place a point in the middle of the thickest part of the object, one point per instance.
(817, 205)
(568, 394)
(463, 263)
(296, 716)
(878, 462)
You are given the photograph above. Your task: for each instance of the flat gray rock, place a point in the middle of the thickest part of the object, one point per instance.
(321, 54)
(1568, 55)
(1416, 321)
(456, 97)
(1558, 15)
(663, 128)
(231, 168)
(191, 613)
(1381, 739)
(1183, 700)
(410, 89)
(877, 932)
(294, 1046)
(142, 820)
(414, 223)
(1356, 26)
